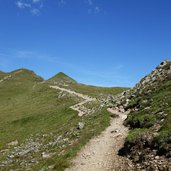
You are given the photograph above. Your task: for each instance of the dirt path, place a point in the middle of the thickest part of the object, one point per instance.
(78, 107)
(5, 78)
(100, 154)
(10, 76)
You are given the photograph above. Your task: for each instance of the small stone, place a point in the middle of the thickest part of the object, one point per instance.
(42, 169)
(5, 162)
(46, 155)
(13, 143)
(51, 167)
(157, 157)
(80, 125)
(11, 156)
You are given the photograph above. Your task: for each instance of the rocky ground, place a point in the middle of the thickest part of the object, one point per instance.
(147, 85)
(35, 150)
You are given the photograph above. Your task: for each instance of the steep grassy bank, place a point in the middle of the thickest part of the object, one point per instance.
(149, 141)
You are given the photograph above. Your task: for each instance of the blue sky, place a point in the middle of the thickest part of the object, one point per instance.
(99, 42)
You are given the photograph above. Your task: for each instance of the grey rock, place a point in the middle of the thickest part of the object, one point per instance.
(47, 155)
(157, 157)
(13, 143)
(154, 79)
(51, 167)
(80, 125)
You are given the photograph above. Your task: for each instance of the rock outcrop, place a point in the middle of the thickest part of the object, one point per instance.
(147, 85)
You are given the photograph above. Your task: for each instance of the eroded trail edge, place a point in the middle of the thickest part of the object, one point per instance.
(79, 107)
(101, 153)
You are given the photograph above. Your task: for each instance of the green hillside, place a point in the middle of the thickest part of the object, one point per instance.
(37, 127)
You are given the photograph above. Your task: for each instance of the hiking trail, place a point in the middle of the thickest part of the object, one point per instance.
(79, 107)
(101, 152)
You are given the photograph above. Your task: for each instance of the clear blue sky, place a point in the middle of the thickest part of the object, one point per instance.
(99, 42)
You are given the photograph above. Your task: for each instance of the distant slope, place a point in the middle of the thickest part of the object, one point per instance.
(63, 80)
(96, 91)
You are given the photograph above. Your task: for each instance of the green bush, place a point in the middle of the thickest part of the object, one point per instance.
(163, 141)
(141, 120)
(133, 104)
(134, 134)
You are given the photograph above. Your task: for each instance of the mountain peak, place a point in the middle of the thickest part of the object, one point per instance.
(62, 74)
(62, 79)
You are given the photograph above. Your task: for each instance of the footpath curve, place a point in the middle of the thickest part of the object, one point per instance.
(79, 107)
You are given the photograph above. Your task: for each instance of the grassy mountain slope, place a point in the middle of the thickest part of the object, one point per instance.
(38, 130)
(149, 138)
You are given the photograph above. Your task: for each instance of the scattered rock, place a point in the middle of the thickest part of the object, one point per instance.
(80, 125)
(47, 155)
(13, 143)
(51, 167)
(157, 157)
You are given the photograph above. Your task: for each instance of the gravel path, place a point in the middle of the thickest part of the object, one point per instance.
(78, 107)
(100, 154)
(5, 78)
(10, 76)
